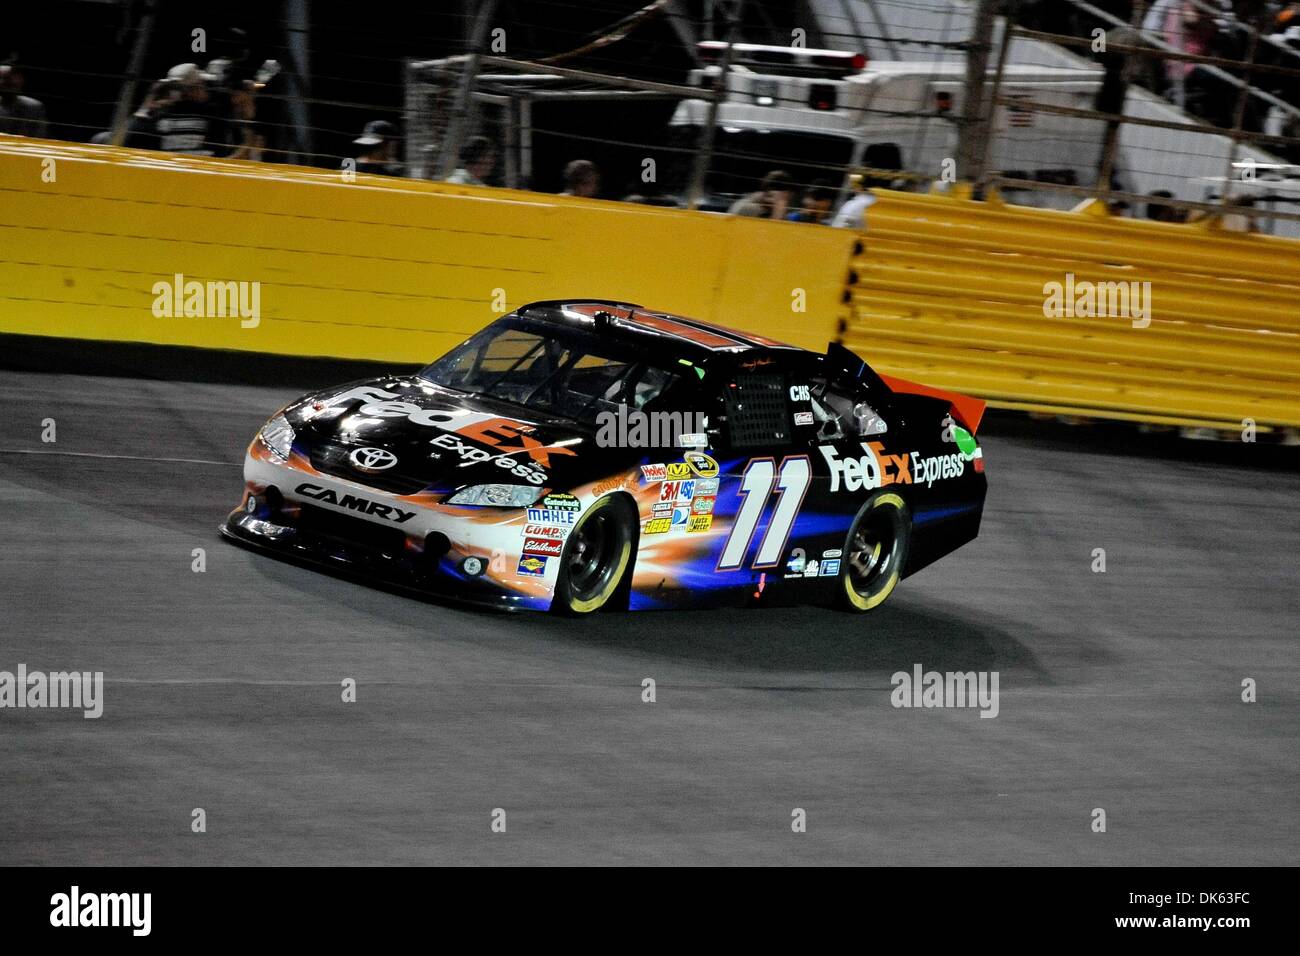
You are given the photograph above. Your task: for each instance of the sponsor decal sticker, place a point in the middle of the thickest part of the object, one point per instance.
(803, 418)
(678, 469)
(702, 505)
(810, 569)
(552, 516)
(830, 568)
(833, 553)
(693, 440)
(544, 546)
(677, 490)
(706, 486)
(533, 565)
(875, 469)
(563, 501)
(662, 509)
(701, 464)
(658, 525)
(699, 523)
(653, 473)
(937, 467)
(800, 393)
(545, 531)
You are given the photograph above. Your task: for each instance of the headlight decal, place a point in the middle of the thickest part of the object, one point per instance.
(496, 496)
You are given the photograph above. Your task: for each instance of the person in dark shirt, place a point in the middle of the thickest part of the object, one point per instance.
(191, 122)
(19, 115)
(378, 145)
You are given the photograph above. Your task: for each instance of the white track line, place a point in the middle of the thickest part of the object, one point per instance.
(91, 454)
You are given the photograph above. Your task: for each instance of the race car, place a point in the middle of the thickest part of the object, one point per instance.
(580, 455)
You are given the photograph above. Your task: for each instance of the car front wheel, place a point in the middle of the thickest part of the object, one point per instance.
(595, 558)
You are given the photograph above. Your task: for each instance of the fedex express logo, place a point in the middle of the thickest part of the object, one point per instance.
(505, 436)
(877, 468)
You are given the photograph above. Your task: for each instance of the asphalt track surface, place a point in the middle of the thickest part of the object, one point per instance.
(1119, 690)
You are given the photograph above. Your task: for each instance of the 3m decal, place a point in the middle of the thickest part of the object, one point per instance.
(677, 490)
(756, 486)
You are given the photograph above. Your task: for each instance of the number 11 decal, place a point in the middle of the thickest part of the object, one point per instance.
(791, 481)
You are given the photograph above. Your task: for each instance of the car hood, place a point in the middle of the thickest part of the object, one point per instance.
(440, 439)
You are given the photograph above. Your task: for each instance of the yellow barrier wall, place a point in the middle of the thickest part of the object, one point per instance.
(951, 292)
(380, 268)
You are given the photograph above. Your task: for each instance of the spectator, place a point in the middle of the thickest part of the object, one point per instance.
(1160, 212)
(478, 158)
(19, 115)
(581, 178)
(141, 132)
(378, 144)
(771, 201)
(816, 205)
(190, 122)
(853, 214)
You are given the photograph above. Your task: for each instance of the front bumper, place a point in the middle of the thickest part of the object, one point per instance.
(463, 554)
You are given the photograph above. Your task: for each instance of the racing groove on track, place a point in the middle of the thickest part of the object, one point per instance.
(1118, 690)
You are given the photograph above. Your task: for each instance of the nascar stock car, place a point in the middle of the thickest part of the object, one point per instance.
(576, 455)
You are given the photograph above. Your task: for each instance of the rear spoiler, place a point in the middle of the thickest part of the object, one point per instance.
(969, 410)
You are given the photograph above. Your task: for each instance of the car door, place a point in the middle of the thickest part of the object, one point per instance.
(766, 471)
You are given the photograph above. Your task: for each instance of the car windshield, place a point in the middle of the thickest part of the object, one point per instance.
(559, 371)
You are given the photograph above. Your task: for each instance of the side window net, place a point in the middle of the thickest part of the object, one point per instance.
(758, 410)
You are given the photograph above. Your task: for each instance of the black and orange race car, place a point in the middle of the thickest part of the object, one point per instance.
(577, 455)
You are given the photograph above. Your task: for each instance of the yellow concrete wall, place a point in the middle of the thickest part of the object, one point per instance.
(951, 292)
(379, 268)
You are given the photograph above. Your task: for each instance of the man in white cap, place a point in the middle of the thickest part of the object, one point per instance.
(191, 123)
(378, 149)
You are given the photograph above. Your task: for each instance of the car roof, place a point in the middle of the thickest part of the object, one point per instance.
(683, 336)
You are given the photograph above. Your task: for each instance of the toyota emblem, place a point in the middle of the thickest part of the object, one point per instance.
(372, 459)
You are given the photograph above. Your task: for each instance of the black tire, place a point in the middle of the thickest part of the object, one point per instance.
(875, 552)
(596, 557)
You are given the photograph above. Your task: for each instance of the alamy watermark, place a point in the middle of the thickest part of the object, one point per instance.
(1098, 300)
(36, 689)
(635, 429)
(951, 689)
(192, 299)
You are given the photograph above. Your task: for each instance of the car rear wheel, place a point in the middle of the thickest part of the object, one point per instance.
(595, 558)
(875, 552)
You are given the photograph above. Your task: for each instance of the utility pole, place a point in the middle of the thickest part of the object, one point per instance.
(704, 149)
(122, 114)
(977, 114)
(462, 106)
